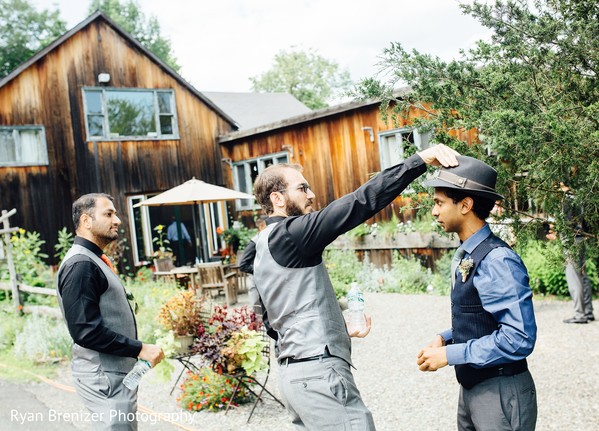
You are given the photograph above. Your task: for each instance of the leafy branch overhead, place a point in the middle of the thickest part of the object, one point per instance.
(309, 77)
(532, 94)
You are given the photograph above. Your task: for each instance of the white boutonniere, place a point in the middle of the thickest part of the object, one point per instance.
(465, 267)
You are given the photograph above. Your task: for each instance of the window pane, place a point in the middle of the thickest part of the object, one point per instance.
(164, 103)
(95, 125)
(166, 124)
(93, 101)
(32, 150)
(130, 113)
(253, 173)
(7, 146)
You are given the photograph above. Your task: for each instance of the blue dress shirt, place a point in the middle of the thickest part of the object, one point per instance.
(502, 284)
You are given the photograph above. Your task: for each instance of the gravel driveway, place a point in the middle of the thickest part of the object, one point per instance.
(565, 365)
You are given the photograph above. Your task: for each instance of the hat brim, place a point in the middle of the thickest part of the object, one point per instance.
(437, 182)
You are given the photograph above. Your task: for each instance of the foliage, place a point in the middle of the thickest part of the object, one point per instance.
(244, 350)
(309, 77)
(65, 241)
(213, 336)
(27, 257)
(151, 297)
(182, 313)
(237, 236)
(127, 14)
(360, 231)
(10, 324)
(545, 265)
(531, 92)
(24, 31)
(343, 267)
(208, 390)
(164, 249)
(43, 339)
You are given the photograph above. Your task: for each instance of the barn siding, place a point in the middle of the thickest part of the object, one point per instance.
(49, 93)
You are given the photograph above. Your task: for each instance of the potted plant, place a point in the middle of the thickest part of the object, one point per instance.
(163, 256)
(229, 341)
(236, 237)
(182, 315)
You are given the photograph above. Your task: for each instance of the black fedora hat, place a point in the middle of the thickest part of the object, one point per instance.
(471, 175)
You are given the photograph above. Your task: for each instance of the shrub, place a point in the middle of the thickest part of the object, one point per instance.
(544, 261)
(43, 339)
(210, 391)
(406, 276)
(343, 267)
(10, 323)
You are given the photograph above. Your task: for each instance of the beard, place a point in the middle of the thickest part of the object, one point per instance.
(293, 209)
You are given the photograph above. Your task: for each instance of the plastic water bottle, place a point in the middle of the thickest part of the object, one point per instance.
(356, 321)
(132, 379)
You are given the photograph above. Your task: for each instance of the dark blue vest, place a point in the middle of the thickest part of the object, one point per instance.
(469, 319)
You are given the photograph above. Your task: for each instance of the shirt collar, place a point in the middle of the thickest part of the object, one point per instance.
(479, 236)
(89, 245)
(274, 219)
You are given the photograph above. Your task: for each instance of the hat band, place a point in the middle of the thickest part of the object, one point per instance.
(463, 183)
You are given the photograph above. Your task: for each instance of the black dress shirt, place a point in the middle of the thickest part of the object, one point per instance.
(81, 285)
(299, 241)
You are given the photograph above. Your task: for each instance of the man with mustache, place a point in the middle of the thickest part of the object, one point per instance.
(313, 344)
(99, 318)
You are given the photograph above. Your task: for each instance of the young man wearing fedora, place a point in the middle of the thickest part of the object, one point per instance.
(492, 316)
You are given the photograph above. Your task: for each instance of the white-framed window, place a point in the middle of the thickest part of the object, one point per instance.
(245, 173)
(23, 146)
(393, 144)
(143, 220)
(115, 114)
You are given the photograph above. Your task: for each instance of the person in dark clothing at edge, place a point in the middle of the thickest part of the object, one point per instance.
(313, 345)
(99, 318)
(492, 314)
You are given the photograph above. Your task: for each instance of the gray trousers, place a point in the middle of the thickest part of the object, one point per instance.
(321, 395)
(580, 289)
(112, 405)
(505, 403)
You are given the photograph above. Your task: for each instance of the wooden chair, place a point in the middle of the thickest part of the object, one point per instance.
(216, 276)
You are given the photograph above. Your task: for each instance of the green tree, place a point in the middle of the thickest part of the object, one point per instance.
(128, 15)
(309, 77)
(24, 31)
(532, 93)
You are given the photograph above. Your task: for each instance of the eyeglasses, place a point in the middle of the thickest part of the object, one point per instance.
(303, 187)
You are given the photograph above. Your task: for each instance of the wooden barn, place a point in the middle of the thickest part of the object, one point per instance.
(97, 112)
(339, 148)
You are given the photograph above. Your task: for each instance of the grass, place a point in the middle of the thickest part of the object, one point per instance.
(20, 370)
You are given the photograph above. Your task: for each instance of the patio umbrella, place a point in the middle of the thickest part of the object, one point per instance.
(194, 192)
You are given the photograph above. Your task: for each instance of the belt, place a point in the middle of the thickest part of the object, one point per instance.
(287, 361)
(469, 376)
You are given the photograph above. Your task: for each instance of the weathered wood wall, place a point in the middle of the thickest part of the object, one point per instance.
(49, 93)
(336, 153)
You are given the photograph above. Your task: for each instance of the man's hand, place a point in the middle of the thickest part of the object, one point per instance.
(432, 358)
(439, 155)
(151, 353)
(358, 334)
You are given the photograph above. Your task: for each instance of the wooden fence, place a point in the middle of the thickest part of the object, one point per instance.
(14, 286)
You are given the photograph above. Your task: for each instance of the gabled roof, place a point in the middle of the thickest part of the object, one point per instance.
(251, 110)
(304, 118)
(98, 15)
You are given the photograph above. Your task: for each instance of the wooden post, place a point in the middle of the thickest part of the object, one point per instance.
(6, 230)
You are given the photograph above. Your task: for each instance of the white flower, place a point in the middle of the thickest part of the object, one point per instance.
(465, 267)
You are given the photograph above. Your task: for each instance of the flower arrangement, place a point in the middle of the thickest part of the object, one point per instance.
(208, 390)
(237, 236)
(164, 249)
(230, 341)
(465, 266)
(181, 313)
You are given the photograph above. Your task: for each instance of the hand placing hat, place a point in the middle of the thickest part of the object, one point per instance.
(439, 155)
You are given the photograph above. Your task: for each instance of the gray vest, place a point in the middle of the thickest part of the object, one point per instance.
(301, 306)
(116, 316)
